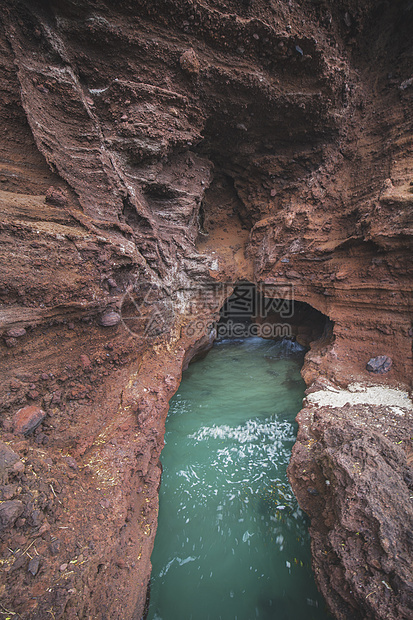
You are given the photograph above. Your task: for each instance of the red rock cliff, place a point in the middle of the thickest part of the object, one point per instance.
(152, 154)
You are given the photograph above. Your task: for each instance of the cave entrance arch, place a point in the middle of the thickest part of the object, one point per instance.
(271, 311)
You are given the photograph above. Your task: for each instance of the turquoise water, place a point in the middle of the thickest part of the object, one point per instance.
(232, 543)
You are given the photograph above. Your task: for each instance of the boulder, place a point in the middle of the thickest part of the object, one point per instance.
(26, 420)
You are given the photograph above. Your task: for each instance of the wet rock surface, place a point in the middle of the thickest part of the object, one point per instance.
(151, 156)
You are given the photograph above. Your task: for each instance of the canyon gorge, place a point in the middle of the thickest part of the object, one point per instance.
(156, 156)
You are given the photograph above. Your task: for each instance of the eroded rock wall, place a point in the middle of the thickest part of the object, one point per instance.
(152, 154)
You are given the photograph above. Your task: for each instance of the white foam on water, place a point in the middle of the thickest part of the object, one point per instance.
(247, 536)
(180, 561)
(252, 431)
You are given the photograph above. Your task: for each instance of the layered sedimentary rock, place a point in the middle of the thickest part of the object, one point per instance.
(152, 155)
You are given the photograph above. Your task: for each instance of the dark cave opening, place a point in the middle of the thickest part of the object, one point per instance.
(271, 311)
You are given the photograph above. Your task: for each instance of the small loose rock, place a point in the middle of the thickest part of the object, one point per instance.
(54, 547)
(112, 283)
(56, 197)
(70, 461)
(34, 566)
(109, 318)
(18, 467)
(36, 518)
(189, 62)
(43, 529)
(85, 361)
(9, 512)
(8, 491)
(379, 365)
(56, 397)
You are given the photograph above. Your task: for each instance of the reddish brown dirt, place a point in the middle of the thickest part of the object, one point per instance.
(152, 154)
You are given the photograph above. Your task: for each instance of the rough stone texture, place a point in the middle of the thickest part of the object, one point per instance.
(279, 152)
(355, 458)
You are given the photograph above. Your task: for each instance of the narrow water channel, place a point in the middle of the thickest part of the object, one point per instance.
(232, 543)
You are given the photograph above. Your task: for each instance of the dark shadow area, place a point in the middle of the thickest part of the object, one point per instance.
(270, 311)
